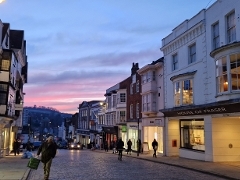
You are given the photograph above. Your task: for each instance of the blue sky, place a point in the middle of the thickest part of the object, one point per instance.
(77, 49)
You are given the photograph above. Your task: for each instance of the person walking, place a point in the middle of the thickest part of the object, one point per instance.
(29, 146)
(120, 145)
(114, 146)
(129, 145)
(16, 146)
(106, 146)
(155, 147)
(48, 150)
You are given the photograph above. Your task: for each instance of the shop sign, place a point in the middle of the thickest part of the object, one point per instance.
(133, 126)
(124, 128)
(220, 109)
(83, 132)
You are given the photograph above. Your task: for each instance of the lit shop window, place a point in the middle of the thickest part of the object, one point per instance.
(192, 134)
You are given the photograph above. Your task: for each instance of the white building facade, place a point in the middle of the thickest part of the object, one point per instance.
(202, 90)
(152, 100)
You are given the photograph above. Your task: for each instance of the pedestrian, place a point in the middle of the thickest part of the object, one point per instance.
(106, 146)
(120, 145)
(113, 146)
(129, 145)
(155, 147)
(48, 150)
(16, 146)
(29, 146)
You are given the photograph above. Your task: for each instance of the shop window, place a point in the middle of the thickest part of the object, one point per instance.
(192, 134)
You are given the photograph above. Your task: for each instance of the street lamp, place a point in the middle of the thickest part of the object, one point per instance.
(29, 132)
(138, 145)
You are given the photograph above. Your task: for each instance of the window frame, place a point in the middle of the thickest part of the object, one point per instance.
(174, 62)
(122, 97)
(215, 36)
(231, 27)
(131, 111)
(192, 53)
(137, 110)
(224, 79)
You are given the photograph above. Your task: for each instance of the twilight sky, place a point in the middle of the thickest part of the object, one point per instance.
(79, 48)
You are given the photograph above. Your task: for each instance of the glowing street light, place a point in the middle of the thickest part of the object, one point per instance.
(1, 1)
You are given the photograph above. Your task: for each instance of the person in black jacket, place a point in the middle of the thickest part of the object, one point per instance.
(16, 146)
(155, 147)
(48, 150)
(120, 145)
(129, 144)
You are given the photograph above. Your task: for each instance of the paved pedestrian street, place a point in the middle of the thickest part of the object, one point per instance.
(92, 165)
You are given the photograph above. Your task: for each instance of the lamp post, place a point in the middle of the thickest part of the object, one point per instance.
(29, 127)
(138, 145)
(29, 132)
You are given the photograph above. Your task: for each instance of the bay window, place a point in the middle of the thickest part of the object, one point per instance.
(228, 73)
(183, 92)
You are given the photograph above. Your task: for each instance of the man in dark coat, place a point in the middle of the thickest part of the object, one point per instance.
(129, 144)
(120, 145)
(155, 147)
(48, 150)
(16, 146)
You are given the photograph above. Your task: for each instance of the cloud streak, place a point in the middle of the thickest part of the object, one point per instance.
(78, 49)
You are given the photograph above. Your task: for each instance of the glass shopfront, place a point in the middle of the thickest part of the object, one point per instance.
(151, 133)
(192, 134)
(133, 135)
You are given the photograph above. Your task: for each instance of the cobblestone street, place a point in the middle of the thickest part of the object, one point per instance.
(90, 165)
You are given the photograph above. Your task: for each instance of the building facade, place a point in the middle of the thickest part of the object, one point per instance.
(115, 114)
(86, 131)
(134, 107)
(152, 94)
(13, 76)
(201, 85)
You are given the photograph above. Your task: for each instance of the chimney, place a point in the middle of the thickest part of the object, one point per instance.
(134, 68)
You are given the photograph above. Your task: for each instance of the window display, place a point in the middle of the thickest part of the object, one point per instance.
(192, 134)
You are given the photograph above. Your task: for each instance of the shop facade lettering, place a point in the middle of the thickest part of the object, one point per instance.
(202, 111)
